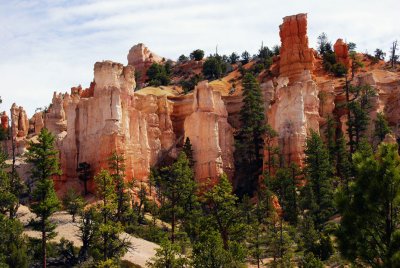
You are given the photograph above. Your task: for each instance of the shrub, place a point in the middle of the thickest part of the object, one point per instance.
(159, 75)
(197, 55)
(339, 69)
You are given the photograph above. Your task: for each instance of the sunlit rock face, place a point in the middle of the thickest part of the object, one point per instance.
(294, 109)
(210, 134)
(19, 121)
(139, 126)
(342, 53)
(295, 55)
(141, 58)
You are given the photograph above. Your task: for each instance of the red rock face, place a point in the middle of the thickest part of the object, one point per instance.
(342, 53)
(142, 58)
(19, 121)
(4, 120)
(295, 55)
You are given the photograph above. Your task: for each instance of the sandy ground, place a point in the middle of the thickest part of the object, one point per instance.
(142, 252)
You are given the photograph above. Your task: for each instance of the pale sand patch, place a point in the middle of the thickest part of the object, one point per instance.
(142, 252)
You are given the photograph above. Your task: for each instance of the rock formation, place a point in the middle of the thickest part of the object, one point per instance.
(342, 53)
(19, 121)
(142, 58)
(210, 134)
(36, 123)
(295, 55)
(295, 106)
(136, 125)
(4, 120)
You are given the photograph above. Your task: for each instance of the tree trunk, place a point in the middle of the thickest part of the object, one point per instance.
(44, 250)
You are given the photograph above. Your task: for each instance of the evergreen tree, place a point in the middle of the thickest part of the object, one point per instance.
(168, 256)
(224, 215)
(84, 174)
(178, 187)
(188, 150)
(87, 231)
(358, 112)
(13, 249)
(209, 251)
(44, 160)
(116, 163)
(319, 190)
(250, 137)
(73, 203)
(370, 214)
(108, 245)
(381, 127)
(343, 163)
(330, 137)
(284, 185)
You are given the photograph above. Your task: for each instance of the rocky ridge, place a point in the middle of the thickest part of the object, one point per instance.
(149, 126)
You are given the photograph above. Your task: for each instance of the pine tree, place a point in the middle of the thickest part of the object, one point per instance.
(358, 113)
(371, 213)
(13, 248)
(343, 163)
(178, 186)
(187, 149)
(250, 138)
(224, 216)
(45, 164)
(73, 203)
(319, 189)
(108, 244)
(168, 256)
(284, 185)
(116, 164)
(84, 174)
(381, 127)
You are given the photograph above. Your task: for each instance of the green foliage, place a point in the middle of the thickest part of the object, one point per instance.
(116, 164)
(197, 55)
(224, 215)
(189, 84)
(250, 137)
(233, 58)
(108, 243)
(378, 55)
(158, 75)
(44, 160)
(339, 69)
(179, 188)
(370, 213)
(310, 261)
(324, 45)
(245, 57)
(13, 250)
(73, 203)
(187, 149)
(182, 58)
(168, 255)
(318, 192)
(214, 67)
(11, 187)
(381, 127)
(84, 174)
(284, 185)
(359, 108)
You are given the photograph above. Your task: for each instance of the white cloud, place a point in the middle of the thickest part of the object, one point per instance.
(52, 45)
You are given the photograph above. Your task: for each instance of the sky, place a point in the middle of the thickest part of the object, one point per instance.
(52, 45)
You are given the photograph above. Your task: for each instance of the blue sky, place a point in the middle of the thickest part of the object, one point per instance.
(48, 46)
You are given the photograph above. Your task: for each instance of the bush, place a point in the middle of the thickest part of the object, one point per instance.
(197, 55)
(339, 69)
(214, 67)
(182, 58)
(189, 84)
(159, 75)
